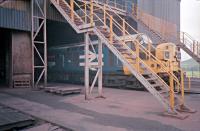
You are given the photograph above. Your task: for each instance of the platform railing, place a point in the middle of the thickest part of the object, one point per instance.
(192, 44)
(126, 32)
(110, 30)
(122, 32)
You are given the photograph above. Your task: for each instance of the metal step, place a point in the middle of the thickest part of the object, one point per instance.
(126, 53)
(130, 57)
(151, 79)
(117, 45)
(156, 85)
(187, 50)
(121, 49)
(146, 73)
(163, 92)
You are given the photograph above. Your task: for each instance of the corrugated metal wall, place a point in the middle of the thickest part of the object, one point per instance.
(53, 14)
(14, 14)
(167, 10)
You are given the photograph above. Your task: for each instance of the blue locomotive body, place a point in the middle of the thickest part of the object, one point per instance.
(63, 66)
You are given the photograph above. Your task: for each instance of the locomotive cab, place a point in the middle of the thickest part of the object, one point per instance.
(167, 54)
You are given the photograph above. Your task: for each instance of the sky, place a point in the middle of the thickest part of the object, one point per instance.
(190, 20)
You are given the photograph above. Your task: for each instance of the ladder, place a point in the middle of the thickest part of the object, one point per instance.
(110, 32)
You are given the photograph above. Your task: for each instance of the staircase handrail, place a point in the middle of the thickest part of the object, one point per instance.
(130, 50)
(144, 49)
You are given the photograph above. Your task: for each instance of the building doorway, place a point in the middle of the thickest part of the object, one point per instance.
(5, 57)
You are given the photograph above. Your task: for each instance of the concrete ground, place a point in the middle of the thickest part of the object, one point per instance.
(122, 110)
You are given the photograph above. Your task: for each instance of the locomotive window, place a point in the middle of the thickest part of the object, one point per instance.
(166, 55)
(178, 56)
(63, 60)
(119, 63)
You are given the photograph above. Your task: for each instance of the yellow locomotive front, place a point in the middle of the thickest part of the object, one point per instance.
(167, 54)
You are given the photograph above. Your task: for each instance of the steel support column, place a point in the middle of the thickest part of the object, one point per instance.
(86, 66)
(100, 63)
(39, 43)
(93, 62)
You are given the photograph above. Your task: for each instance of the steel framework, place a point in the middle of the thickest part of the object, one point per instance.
(103, 28)
(91, 64)
(39, 43)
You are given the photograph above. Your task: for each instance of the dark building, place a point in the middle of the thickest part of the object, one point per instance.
(15, 32)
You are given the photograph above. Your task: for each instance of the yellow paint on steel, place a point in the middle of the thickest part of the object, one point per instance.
(149, 49)
(189, 83)
(139, 49)
(137, 56)
(182, 86)
(91, 12)
(72, 9)
(111, 29)
(85, 9)
(104, 15)
(171, 94)
(124, 26)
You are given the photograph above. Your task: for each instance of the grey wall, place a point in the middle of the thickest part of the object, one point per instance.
(16, 14)
(168, 10)
(165, 9)
(14, 19)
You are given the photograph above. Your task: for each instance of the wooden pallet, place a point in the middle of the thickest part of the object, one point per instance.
(63, 90)
(21, 81)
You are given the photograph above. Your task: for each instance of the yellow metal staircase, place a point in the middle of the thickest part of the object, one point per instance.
(126, 8)
(97, 21)
(182, 39)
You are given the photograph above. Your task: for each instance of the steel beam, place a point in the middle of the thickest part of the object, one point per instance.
(86, 66)
(89, 65)
(38, 29)
(100, 62)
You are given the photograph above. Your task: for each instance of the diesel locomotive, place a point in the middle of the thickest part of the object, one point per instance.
(63, 63)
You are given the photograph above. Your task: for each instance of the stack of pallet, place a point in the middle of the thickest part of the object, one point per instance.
(22, 81)
(62, 90)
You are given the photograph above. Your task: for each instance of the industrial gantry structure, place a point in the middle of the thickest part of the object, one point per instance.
(103, 20)
(39, 42)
